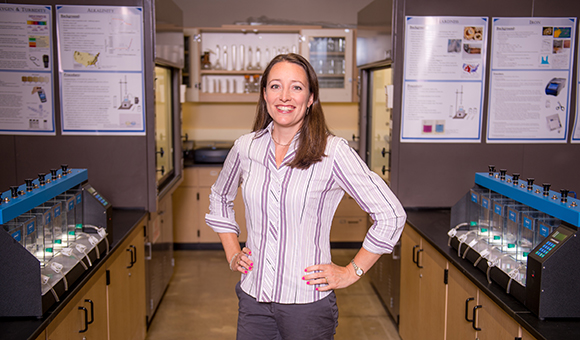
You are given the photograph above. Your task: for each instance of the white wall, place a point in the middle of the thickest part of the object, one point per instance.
(214, 13)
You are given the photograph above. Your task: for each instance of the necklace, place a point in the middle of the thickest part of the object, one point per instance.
(275, 141)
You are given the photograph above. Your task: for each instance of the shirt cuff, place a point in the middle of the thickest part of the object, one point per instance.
(222, 225)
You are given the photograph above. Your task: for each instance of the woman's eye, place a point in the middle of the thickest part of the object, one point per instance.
(297, 88)
(274, 86)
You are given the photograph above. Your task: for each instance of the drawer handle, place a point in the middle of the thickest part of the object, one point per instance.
(92, 311)
(131, 262)
(415, 261)
(419, 251)
(86, 320)
(467, 308)
(474, 317)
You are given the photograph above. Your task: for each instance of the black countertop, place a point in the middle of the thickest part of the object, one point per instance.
(433, 224)
(124, 221)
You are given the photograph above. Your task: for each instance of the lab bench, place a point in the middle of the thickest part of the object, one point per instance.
(127, 223)
(427, 229)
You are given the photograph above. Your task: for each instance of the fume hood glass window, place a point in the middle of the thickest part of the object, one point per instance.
(163, 124)
(327, 56)
(380, 129)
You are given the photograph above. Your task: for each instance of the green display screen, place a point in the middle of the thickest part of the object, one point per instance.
(559, 236)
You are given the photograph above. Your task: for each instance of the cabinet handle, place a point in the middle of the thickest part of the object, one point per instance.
(131, 261)
(415, 261)
(474, 317)
(86, 320)
(467, 308)
(395, 256)
(134, 253)
(148, 244)
(419, 251)
(92, 311)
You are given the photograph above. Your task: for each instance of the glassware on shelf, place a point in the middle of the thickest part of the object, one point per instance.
(247, 84)
(218, 65)
(330, 45)
(250, 59)
(227, 66)
(234, 58)
(267, 56)
(242, 57)
(256, 83)
(258, 66)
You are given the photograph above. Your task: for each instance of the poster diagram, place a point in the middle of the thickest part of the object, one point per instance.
(26, 73)
(101, 69)
(530, 78)
(443, 79)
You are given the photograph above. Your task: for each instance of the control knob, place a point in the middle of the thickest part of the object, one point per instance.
(530, 184)
(546, 189)
(564, 193)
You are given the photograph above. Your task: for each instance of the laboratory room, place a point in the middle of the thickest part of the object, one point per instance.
(331, 169)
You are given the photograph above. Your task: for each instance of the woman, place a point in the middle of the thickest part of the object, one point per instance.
(293, 173)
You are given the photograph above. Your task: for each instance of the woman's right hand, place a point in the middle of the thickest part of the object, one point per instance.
(241, 262)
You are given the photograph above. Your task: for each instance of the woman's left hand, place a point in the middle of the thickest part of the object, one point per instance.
(334, 276)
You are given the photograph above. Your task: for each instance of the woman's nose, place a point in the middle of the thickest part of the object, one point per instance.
(285, 95)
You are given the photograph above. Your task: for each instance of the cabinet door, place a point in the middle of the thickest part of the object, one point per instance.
(185, 214)
(433, 295)
(494, 322)
(126, 289)
(331, 52)
(206, 234)
(410, 286)
(85, 316)
(461, 301)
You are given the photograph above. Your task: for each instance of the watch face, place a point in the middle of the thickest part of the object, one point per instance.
(359, 272)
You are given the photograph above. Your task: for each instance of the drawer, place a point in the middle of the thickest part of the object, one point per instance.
(208, 176)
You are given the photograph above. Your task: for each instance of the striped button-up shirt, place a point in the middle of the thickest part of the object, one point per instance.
(289, 212)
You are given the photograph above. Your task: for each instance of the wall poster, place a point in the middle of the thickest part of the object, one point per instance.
(530, 80)
(443, 81)
(576, 130)
(26, 72)
(101, 70)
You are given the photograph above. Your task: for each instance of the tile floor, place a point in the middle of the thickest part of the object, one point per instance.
(200, 302)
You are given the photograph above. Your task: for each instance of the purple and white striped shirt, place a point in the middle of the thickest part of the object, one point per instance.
(289, 212)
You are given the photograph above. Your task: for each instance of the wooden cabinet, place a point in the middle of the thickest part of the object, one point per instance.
(85, 316)
(126, 289)
(191, 203)
(433, 307)
(221, 60)
(423, 289)
(350, 222)
(473, 315)
(111, 305)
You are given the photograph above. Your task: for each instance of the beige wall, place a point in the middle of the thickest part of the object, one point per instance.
(226, 122)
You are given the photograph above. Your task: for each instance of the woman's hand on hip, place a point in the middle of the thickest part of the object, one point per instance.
(334, 276)
(241, 262)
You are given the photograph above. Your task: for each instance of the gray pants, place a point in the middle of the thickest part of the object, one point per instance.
(274, 321)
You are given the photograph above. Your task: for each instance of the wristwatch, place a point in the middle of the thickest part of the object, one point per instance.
(357, 270)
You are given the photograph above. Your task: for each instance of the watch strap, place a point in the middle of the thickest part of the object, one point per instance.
(357, 270)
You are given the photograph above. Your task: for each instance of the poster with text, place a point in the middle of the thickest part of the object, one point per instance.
(26, 72)
(101, 70)
(530, 80)
(444, 78)
(576, 130)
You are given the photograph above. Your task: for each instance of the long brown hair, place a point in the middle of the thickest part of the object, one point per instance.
(313, 132)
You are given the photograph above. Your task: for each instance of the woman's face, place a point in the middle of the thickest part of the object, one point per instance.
(287, 95)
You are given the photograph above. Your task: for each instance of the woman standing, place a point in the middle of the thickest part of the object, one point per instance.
(293, 173)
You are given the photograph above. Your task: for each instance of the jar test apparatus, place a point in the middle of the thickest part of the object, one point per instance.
(541, 271)
(39, 266)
